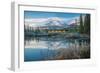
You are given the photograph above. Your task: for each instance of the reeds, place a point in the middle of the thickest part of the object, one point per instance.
(82, 52)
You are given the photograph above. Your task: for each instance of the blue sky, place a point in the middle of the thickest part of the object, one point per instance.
(38, 14)
(39, 18)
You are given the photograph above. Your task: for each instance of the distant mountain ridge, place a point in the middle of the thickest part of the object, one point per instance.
(54, 22)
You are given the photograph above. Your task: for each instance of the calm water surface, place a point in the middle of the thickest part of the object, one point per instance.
(43, 48)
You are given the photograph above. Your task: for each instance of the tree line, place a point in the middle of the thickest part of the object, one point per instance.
(84, 27)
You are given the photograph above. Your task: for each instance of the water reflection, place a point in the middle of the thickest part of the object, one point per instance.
(50, 48)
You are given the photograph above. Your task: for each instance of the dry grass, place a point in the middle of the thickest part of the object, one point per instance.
(72, 53)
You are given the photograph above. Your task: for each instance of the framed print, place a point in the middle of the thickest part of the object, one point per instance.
(49, 36)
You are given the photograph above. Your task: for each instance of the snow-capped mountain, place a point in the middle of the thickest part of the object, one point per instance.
(74, 21)
(53, 22)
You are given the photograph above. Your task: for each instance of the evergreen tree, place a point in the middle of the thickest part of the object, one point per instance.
(87, 24)
(81, 27)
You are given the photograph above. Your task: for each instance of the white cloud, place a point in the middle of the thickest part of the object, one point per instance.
(35, 20)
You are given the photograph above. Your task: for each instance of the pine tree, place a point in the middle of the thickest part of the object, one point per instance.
(87, 24)
(81, 27)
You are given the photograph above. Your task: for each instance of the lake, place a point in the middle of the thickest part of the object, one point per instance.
(55, 48)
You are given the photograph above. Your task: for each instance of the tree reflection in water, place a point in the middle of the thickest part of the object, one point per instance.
(59, 48)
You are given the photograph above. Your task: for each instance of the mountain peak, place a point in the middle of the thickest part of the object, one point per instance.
(55, 19)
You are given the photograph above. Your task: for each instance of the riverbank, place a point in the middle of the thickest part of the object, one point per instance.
(73, 53)
(58, 54)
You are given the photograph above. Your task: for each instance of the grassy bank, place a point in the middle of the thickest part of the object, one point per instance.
(72, 53)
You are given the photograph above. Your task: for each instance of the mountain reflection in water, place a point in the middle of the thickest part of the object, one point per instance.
(55, 48)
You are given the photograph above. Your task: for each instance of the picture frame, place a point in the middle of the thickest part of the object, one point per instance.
(18, 36)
